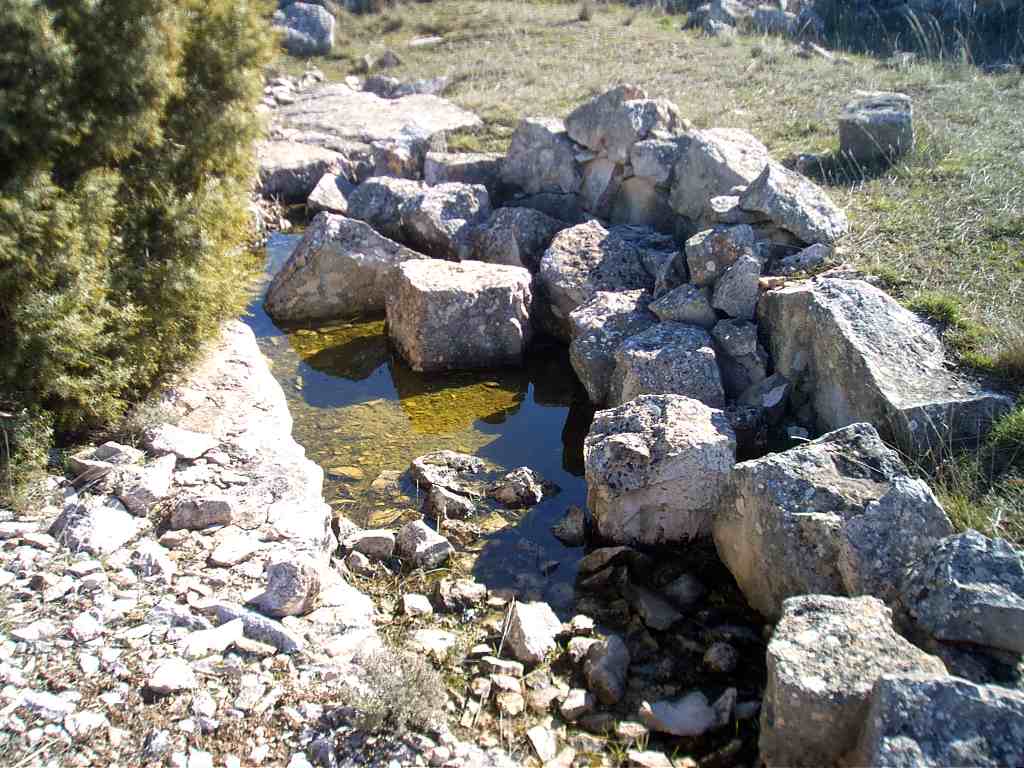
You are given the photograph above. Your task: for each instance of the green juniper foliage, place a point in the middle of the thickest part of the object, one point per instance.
(126, 131)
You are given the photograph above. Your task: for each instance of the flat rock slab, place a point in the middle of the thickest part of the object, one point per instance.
(448, 316)
(857, 355)
(333, 113)
(290, 171)
(823, 661)
(340, 268)
(655, 469)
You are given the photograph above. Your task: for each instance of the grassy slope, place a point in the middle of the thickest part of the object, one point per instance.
(949, 220)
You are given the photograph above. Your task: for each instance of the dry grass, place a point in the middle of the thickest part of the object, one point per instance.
(948, 221)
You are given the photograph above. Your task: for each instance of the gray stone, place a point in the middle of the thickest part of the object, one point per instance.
(807, 260)
(856, 355)
(969, 589)
(725, 209)
(379, 202)
(289, 171)
(721, 658)
(465, 168)
(422, 545)
(796, 204)
(184, 443)
(376, 544)
(643, 460)
(446, 316)
(340, 268)
(715, 161)
(688, 304)
(601, 181)
(92, 464)
(521, 488)
(517, 237)
(668, 358)
(172, 675)
(330, 194)
(934, 722)
(257, 627)
(571, 530)
(876, 126)
(448, 469)
(197, 513)
(656, 159)
(639, 201)
(150, 560)
(823, 661)
(610, 124)
(293, 586)
(98, 525)
(606, 668)
(803, 521)
(711, 252)
(585, 259)
(139, 488)
(308, 29)
(769, 396)
(653, 611)
(690, 715)
(742, 360)
(542, 158)
(443, 504)
(598, 329)
(439, 221)
(532, 628)
(737, 290)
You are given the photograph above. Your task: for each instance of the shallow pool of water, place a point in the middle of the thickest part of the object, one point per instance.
(359, 411)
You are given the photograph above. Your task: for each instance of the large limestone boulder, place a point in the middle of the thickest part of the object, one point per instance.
(656, 467)
(448, 316)
(715, 161)
(308, 29)
(930, 721)
(517, 237)
(542, 158)
(341, 268)
(876, 126)
(823, 661)
(588, 258)
(610, 124)
(969, 589)
(289, 171)
(598, 329)
(796, 204)
(380, 200)
(855, 354)
(819, 519)
(439, 221)
(668, 358)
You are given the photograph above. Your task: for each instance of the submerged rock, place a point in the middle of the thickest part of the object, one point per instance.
(446, 316)
(823, 661)
(656, 467)
(340, 268)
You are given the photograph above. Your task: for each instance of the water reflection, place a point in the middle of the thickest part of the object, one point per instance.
(360, 411)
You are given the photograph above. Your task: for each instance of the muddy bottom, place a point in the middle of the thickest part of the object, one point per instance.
(363, 415)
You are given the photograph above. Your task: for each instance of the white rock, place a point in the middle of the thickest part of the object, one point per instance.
(172, 675)
(532, 629)
(86, 627)
(217, 640)
(183, 443)
(416, 605)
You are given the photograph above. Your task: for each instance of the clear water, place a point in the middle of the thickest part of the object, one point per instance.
(360, 411)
